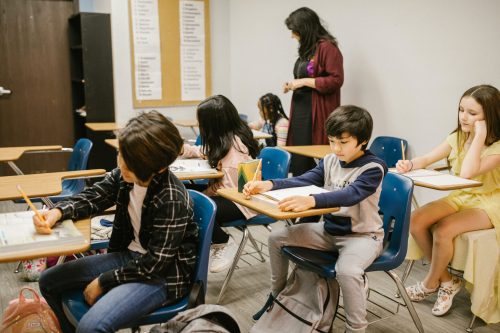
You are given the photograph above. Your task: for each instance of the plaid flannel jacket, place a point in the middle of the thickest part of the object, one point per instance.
(167, 232)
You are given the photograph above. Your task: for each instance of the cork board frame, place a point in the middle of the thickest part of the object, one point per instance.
(168, 12)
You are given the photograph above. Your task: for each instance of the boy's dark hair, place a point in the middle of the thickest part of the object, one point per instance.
(148, 144)
(350, 119)
(219, 123)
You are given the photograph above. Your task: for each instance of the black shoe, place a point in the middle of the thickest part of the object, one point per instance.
(269, 302)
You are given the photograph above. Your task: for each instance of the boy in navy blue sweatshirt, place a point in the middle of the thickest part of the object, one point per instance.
(353, 175)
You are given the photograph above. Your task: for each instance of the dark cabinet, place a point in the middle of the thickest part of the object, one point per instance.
(92, 82)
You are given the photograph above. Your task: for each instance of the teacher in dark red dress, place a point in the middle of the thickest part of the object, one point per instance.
(318, 76)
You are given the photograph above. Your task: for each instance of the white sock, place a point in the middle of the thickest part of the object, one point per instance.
(427, 290)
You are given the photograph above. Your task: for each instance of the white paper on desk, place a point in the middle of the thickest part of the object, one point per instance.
(278, 195)
(418, 173)
(181, 166)
(17, 233)
(445, 180)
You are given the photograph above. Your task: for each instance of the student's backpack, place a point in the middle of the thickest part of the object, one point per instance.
(203, 318)
(308, 303)
(32, 315)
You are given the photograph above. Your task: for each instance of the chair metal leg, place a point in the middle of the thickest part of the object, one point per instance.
(255, 246)
(18, 267)
(469, 329)
(409, 304)
(233, 265)
(406, 273)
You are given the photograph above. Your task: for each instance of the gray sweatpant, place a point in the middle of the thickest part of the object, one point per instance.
(356, 253)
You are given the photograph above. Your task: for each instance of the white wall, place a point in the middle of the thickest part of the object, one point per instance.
(407, 62)
(122, 74)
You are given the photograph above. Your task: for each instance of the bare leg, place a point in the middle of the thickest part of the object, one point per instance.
(447, 229)
(422, 220)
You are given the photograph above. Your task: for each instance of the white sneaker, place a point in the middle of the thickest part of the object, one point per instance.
(222, 255)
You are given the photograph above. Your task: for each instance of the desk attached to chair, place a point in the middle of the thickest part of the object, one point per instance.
(11, 154)
(314, 151)
(40, 184)
(268, 209)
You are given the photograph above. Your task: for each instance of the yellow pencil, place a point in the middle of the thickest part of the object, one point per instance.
(33, 208)
(257, 170)
(403, 150)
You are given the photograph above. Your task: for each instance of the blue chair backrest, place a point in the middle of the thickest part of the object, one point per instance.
(395, 208)
(198, 141)
(243, 117)
(388, 148)
(275, 163)
(204, 215)
(78, 161)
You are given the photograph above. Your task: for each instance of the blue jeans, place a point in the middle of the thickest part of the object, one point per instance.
(115, 309)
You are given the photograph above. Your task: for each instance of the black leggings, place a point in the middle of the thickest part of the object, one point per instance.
(226, 211)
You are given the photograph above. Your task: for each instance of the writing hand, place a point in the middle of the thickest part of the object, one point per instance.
(255, 187)
(50, 217)
(92, 292)
(297, 203)
(403, 166)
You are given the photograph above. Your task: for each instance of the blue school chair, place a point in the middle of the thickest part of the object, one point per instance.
(395, 209)
(275, 165)
(388, 148)
(74, 304)
(243, 117)
(77, 161)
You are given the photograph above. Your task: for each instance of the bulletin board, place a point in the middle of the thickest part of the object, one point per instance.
(169, 12)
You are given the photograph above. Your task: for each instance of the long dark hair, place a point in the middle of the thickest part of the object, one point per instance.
(489, 98)
(272, 111)
(307, 25)
(219, 123)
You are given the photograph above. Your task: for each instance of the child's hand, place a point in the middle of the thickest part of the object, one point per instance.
(256, 187)
(92, 292)
(297, 203)
(480, 130)
(404, 166)
(50, 217)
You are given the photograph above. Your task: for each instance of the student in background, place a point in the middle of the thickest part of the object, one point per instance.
(153, 247)
(318, 75)
(227, 141)
(473, 151)
(353, 175)
(273, 120)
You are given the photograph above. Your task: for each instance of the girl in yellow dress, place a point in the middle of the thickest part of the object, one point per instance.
(473, 151)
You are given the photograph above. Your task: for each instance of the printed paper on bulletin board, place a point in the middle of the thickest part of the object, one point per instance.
(170, 52)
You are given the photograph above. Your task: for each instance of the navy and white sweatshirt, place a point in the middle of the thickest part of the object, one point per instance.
(354, 187)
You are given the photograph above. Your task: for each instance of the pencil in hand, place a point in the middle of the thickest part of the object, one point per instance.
(259, 166)
(403, 150)
(33, 207)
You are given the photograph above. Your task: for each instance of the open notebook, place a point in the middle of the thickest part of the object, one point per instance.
(273, 197)
(184, 166)
(17, 234)
(438, 180)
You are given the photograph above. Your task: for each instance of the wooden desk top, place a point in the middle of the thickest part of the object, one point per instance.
(186, 123)
(439, 181)
(82, 225)
(112, 142)
(260, 135)
(40, 184)
(103, 126)
(315, 151)
(14, 153)
(268, 209)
